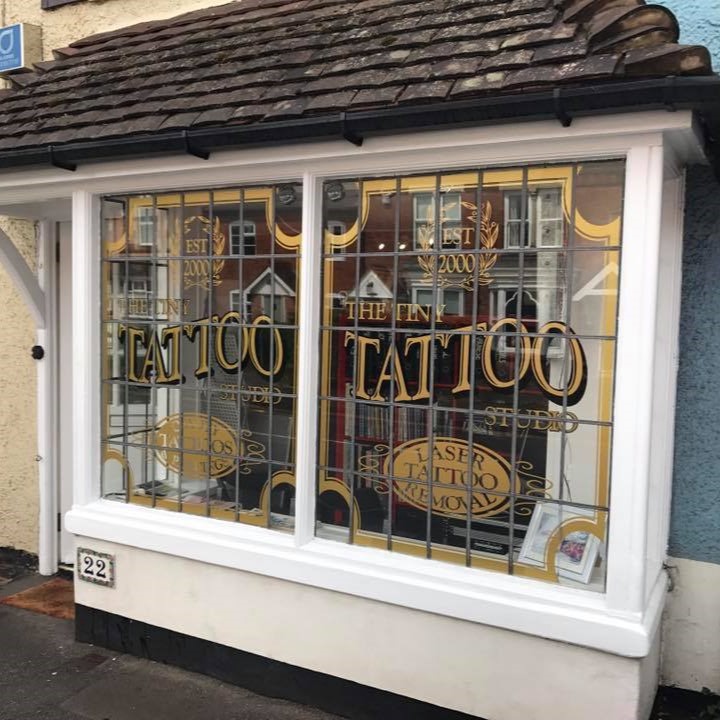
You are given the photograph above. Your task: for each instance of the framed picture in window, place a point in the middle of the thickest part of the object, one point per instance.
(578, 550)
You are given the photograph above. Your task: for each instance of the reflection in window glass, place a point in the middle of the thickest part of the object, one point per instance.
(468, 330)
(199, 355)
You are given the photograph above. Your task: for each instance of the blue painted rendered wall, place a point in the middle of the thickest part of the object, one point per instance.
(695, 523)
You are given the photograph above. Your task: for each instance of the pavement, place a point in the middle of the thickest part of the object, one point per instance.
(46, 675)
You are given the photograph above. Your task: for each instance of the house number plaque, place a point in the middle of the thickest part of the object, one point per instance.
(96, 567)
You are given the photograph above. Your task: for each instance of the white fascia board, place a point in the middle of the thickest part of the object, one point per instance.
(506, 144)
(563, 614)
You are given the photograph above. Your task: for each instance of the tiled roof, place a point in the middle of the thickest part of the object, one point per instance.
(258, 61)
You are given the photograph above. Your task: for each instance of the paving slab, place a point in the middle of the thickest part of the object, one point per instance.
(46, 675)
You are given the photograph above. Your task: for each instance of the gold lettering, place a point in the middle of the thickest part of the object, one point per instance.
(223, 362)
(202, 369)
(361, 346)
(399, 308)
(171, 340)
(367, 310)
(414, 313)
(277, 348)
(423, 341)
(134, 337)
(196, 246)
(463, 383)
(154, 367)
(576, 355)
(401, 389)
(487, 355)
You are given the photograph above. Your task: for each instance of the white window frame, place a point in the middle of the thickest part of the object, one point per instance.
(336, 227)
(441, 293)
(249, 230)
(534, 219)
(625, 618)
(145, 226)
(445, 197)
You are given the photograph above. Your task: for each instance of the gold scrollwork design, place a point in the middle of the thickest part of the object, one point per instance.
(253, 452)
(534, 486)
(111, 454)
(371, 464)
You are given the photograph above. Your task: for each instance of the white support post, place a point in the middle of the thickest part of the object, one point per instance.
(308, 360)
(632, 435)
(86, 350)
(47, 405)
(667, 357)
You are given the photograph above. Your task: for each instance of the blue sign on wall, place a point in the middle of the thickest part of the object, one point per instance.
(11, 48)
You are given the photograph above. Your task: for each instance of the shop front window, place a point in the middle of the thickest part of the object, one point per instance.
(466, 414)
(199, 400)
(467, 344)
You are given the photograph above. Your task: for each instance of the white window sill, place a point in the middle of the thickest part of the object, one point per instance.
(527, 606)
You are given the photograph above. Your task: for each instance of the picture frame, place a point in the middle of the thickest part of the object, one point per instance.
(578, 551)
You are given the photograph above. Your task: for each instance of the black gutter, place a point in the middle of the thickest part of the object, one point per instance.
(699, 94)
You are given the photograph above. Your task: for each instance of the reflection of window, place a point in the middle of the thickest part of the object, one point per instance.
(539, 305)
(424, 220)
(269, 295)
(543, 218)
(451, 301)
(138, 287)
(249, 240)
(145, 226)
(335, 227)
(136, 395)
(235, 302)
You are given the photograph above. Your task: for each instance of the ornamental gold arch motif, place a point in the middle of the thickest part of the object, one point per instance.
(491, 178)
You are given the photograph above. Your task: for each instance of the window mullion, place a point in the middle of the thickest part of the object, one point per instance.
(308, 359)
(86, 346)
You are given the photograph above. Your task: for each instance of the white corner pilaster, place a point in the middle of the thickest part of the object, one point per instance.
(86, 348)
(308, 360)
(627, 548)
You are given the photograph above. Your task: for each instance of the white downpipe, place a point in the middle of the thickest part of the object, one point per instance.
(46, 407)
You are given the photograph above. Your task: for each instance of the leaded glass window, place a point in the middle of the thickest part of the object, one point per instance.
(467, 370)
(199, 355)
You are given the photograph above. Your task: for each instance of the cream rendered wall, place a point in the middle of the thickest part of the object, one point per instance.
(19, 501)
(67, 23)
(18, 419)
(477, 669)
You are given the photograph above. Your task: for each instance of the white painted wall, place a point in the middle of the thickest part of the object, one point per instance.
(496, 674)
(691, 626)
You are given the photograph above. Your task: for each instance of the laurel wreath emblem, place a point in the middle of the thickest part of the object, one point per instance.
(199, 275)
(489, 231)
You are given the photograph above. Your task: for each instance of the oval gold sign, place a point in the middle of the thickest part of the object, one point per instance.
(202, 443)
(450, 463)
